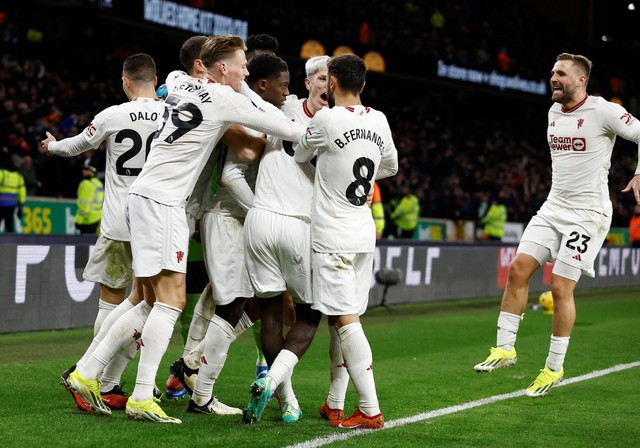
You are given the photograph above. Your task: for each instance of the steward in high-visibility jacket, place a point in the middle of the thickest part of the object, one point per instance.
(377, 210)
(90, 197)
(13, 194)
(494, 222)
(406, 214)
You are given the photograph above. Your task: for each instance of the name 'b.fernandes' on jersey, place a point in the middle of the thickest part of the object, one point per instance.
(354, 147)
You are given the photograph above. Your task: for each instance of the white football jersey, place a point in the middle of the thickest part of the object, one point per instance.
(296, 109)
(172, 79)
(354, 147)
(283, 185)
(128, 129)
(196, 115)
(581, 141)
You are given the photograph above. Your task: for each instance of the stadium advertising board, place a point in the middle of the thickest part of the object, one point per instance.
(44, 216)
(493, 79)
(42, 285)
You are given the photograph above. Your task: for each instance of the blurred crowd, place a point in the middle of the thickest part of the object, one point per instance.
(458, 149)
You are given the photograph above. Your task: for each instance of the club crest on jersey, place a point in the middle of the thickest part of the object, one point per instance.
(179, 256)
(580, 122)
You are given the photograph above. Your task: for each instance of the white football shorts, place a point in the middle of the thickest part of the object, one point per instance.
(159, 236)
(278, 254)
(110, 263)
(223, 247)
(341, 282)
(573, 237)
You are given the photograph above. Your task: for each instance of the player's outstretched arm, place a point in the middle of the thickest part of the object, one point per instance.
(68, 147)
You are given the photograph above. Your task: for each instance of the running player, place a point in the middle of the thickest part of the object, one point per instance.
(573, 222)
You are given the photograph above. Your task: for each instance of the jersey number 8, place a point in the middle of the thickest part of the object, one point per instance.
(362, 182)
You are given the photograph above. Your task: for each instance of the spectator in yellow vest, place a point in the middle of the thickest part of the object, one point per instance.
(494, 220)
(406, 214)
(90, 196)
(12, 193)
(377, 210)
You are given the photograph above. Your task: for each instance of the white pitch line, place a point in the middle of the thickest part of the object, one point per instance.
(453, 409)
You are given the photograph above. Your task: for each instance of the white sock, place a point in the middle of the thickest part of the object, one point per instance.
(282, 367)
(108, 322)
(216, 345)
(357, 355)
(202, 313)
(104, 309)
(508, 325)
(557, 351)
(155, 339)
(112, 373)
(286, 393)
(192, 359)
(124, 331)
(338, 372)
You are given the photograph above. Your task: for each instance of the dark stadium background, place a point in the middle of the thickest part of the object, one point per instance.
(86, 42)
